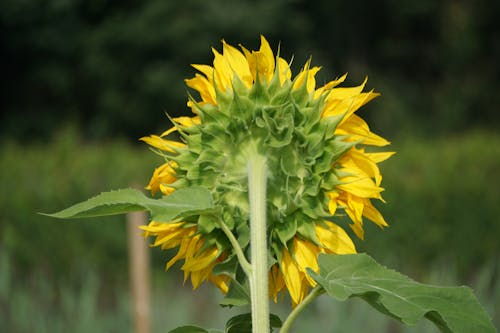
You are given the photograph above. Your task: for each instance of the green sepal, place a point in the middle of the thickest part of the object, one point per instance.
(312, 207)
(280, 129)
(227, 267)
(330, 181)
(243, 323)
(258, 93)
(239, 88)
(286, 230)
(301, 95)
(451, 309)
(307, 230)
(243, 232)
(282, 95)
(207, 223)
(183, 202)
(331, 124)
(291, 164)
(238, 294)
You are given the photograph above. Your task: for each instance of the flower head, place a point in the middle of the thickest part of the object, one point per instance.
(318, 164)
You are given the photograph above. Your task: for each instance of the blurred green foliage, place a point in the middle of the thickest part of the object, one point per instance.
(114, 67)
(442, 204)
(44, 178)
(83, 307)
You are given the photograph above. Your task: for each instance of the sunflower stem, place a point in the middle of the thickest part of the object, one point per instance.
(317, 291)
(259, 285)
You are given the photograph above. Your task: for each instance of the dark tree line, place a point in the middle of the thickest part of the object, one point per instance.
(114, 67)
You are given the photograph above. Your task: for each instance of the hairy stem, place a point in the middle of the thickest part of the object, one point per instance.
(259, 285)
(317, 291)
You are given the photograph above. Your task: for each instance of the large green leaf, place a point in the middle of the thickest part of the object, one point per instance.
(183, 202)
(193, 329)
(452, 309)
(243, 323)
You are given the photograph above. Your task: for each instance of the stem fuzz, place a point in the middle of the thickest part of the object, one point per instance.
(259, 284)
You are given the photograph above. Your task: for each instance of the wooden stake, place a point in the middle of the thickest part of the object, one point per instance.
(139, 272)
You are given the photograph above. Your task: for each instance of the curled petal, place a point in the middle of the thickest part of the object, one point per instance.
(164, 174)
(306, 254)
(204, 87)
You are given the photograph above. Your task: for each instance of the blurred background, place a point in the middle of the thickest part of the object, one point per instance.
(82, 80)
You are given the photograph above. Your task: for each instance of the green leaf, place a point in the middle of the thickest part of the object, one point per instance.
(243, 323)
(182, 202)
(192, 329)
(452, 309)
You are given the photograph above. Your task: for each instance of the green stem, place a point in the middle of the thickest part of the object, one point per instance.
(245, 265)
(259, 285)
(300, 307)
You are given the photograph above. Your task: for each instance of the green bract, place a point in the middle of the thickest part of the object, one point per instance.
(280, 122)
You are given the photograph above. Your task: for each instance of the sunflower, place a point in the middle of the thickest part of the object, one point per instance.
(319, 167)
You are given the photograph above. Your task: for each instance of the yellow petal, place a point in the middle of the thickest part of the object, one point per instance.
(347, 106)
(332, 203)
(358, 230)
(171, 235)
(306, 254)
(261, 63)
(197, 277)
(169, 131)
(156, 227)
(276, 282)
(221, 282)
(181, 254)
(354, 208)
(284, 71)
(238, 63)
(162, 144)
(166, 190)
(164, 174)
(360, 187)
(306, 74)
(204, 87)
(356, 129)
(184, 122)
(223, 74)
(346, 92)
(374, 215)
(380, 157)
(187, 121)
(334, 239)
(207, 70)
(292, 276)
(201, 261)
(327, 87)
(361, 164)
(194, 246)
